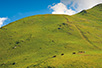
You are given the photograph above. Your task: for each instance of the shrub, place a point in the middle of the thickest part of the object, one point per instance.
(13, 63)
(49, 67)
(59, 28)
(64, 23)
(83, 12)
(17, 42)
(74, 52)
(62, 54)
(54, 56)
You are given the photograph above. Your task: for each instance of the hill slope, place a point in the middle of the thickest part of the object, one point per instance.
(50, 41)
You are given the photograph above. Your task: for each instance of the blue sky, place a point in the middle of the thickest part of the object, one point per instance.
(12, 10)
(17, 9)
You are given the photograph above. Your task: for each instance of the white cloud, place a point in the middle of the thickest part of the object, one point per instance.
(81, 4)
(60, 8)
(2, 21)
(74, 6)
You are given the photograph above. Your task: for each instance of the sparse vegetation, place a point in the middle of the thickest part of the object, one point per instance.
(83, 12)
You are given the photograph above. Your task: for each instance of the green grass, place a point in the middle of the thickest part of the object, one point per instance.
(33, 41)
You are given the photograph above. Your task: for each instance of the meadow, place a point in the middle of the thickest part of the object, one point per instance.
(53, 41)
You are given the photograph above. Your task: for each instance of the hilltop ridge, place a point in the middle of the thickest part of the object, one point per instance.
(53, 41)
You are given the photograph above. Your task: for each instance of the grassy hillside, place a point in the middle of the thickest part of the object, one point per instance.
(53, 41)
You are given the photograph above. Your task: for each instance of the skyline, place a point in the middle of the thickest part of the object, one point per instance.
(14, 10)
